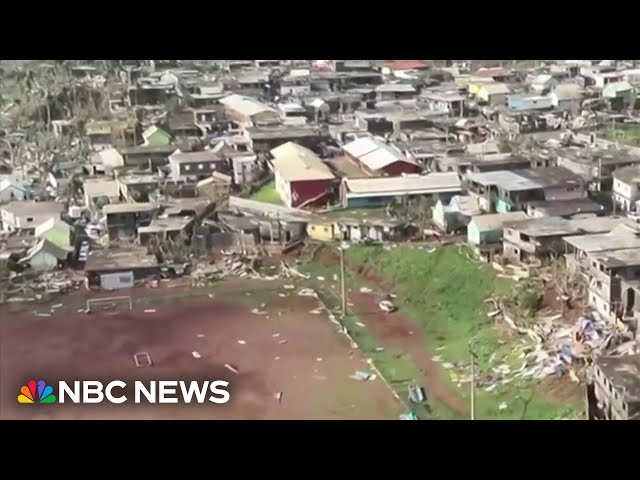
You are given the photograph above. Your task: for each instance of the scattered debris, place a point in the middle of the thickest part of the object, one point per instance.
(365, 290)
(289, 287)
(256, 311)
(360, 324)
(408, 416)
(150, 310)
(200, 335)
(282, 342)
(320, 278)
(361, 375)
(275, 335)
(307, 292)
(502, 406)
(387, 306)
(230, 367)
(316, 311)
(142, 359)
(319, 359)
(278, 397)
(196, 354)
(417, 394)
(242, 342)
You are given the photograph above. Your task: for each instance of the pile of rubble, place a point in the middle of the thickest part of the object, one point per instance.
(549, 348)
(25, 287)
(243, 266)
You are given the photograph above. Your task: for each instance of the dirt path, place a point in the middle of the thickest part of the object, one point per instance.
(396, 332)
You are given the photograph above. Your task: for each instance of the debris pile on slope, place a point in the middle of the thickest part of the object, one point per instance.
(548, 348)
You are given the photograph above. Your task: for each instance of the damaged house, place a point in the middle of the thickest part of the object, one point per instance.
(100, 191)
(301, 177)
(197, 165)
(625, 187)
(254, 232)
(505, 191)
(23, 217)
(175, 218)
(595, 165)
(46, 255)
(613, 392)
(605, 261)
(124, 219)
(541, 237)
(455, 215)
(137, 187)
(325, 229)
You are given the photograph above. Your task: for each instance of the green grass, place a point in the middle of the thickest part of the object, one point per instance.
(396, 367)
(628, 135)
(354, 213)
(443, 292)
(267, 194)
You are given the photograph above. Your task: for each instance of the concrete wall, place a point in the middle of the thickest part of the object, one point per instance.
(564, 193)
(614, 405)
(283, 187)
(43, 261)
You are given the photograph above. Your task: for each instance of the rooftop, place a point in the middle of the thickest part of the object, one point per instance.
(558, 226)
(628, 257)
(296, 163)
(139, 179)
(624, 373)
(551, 176)
(629, 174)
(31, 207)
(414, 184)
(623, 236)
(283, 131)
(119, 260)
(168, 224)
(148, 150)
(374, 153)
(100, 187)
(506, 179)
(496, 221)
(130, 207)
(196, 157)
(245, 105)
(562, 208)
(396, 87)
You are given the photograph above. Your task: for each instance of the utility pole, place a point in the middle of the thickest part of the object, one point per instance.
(342, 283)
(473, 380)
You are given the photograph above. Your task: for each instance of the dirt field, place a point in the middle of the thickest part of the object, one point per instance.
(287, 349)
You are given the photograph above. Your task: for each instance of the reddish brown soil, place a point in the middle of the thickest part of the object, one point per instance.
(396, 332)
(311, 368)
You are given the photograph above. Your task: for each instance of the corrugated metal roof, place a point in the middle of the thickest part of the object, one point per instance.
(395, 87)
(375, 154)
(414, 184)
(495, 88)
(245, 105)
(296, 163)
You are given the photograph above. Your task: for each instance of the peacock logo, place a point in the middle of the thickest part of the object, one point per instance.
(36, 392)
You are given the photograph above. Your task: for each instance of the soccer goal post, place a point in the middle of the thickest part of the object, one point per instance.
(109, 303)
